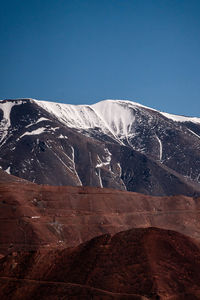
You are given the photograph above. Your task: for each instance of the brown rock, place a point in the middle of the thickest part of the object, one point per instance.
(151, 263)
(32, 215)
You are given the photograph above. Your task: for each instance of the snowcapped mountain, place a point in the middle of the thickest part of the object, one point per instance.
(113, 143)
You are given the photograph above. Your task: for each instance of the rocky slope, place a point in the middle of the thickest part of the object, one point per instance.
(33, 216)
(137, 264)
(41, 228)
(114, 144)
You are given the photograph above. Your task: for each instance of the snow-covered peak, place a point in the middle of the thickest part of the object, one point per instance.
(108, 109)
(117, 115)
(75, 116)
(114, 116)
(178, 118)
(123, 102)
(131, 104)
(6, 107)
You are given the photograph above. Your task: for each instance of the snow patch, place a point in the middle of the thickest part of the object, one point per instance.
(41, 119)
(177, 118)
(8, 170)
(74, 166)
(6, 107)
(34, 132)
(114, 117)
(38, 121)
(161, 148)
(120, 169)
(114, 113)
(119, 118)
(100, 180)
(62, 136)
(107, 159)
(194, 133)
(54, 129)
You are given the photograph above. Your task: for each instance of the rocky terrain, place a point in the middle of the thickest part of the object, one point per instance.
(113, 144)
(42, 228)
(98, 202)
(143, 264)
(33, 216)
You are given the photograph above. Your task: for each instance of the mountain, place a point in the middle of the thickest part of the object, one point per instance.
(39, 216)
(113, 143)
(42, 254)
(142, 263)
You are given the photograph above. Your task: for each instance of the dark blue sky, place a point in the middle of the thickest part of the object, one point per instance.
(81, 51)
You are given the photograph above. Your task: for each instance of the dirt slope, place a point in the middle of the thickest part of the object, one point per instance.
(32, 215)
(151, 263)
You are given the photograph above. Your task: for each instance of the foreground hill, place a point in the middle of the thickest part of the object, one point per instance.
(33, 216)
(113, 144)
(146, 263)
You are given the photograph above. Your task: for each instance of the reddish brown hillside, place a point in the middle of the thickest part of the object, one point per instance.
(34, 215)
(153, 263)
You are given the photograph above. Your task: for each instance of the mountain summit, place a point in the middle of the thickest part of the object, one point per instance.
(113, 143)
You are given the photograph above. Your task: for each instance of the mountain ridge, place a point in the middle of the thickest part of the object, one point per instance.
(115, 144)
(175, 117)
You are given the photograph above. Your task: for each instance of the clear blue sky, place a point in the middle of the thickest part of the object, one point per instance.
(83, 51)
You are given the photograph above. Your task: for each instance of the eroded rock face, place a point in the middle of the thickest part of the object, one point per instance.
(41, 228)
(33, 216)
(112, 144)
(148, 263)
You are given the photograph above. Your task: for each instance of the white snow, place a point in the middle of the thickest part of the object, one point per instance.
(117, 116)
(194, 133)
(113, 117)
(63, 162)
(160, 145)
(41, 119)
(74, 166)
(77, 116)
(177, 118)
(6, 107)
(100, 180)
(100, 163)
(107, 159)
(54, 128)
(8, 170)
(62, 136)
(34, 132)
(38, 121)
(120, 169)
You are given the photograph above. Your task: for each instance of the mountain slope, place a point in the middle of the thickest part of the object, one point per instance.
(34, 216)
(151, 263)
(115, 144)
